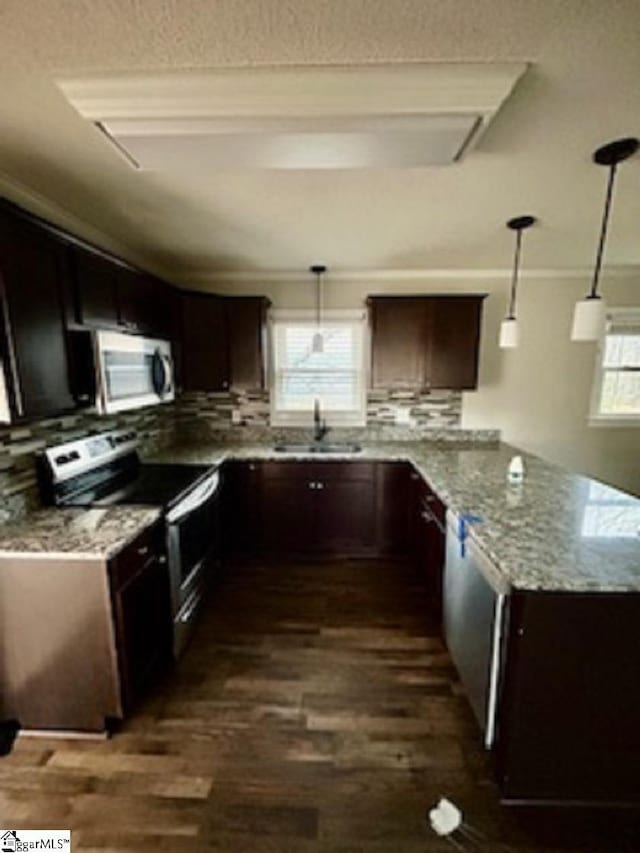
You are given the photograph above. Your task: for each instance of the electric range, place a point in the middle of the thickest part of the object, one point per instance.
(106, 469)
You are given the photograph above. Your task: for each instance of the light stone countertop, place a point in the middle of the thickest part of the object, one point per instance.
(76, 532)
(557, 531)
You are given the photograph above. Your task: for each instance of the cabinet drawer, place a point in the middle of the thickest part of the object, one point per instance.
(287, 470)
(137, 554)
(344, 471)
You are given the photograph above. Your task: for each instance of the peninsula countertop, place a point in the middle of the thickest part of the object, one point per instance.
(557, 531)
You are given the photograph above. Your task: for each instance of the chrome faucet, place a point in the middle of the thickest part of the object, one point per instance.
(320, 428)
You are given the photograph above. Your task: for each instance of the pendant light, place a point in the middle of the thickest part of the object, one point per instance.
(317, 342)
(589, 313)
(509, 332)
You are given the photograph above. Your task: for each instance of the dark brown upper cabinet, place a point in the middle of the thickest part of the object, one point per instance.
(34, 341)
(145, 304)
(204, 351)
(246, 334)
(135, 295)
(108, 294)
(222, 342)
(425, 342)
(94, 288)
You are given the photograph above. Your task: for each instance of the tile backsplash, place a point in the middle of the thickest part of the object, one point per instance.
(391, 416)
(19, 444)
(408, 409)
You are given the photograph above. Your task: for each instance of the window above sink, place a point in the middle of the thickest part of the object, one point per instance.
(336, 376)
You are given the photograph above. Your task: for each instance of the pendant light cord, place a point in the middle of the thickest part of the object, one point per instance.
(514, 278)
(603, 234)
(318, 299)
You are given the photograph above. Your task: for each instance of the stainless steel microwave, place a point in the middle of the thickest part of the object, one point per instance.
(132, 371)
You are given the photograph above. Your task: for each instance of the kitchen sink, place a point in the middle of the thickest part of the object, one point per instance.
(318, 448)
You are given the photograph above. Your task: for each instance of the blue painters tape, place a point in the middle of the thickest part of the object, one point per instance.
(463, 529)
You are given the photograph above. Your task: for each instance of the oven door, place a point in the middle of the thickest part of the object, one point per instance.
(193, 537)
(132, 371)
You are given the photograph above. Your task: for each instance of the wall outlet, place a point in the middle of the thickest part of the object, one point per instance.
(403, 417)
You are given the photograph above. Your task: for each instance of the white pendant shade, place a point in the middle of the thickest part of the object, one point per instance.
(588, 319)
(509, 333)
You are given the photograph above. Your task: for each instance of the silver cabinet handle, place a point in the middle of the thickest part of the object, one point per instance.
(143, 551)
(162, 560)
(430, 499)
(319, 485)
(312, 485)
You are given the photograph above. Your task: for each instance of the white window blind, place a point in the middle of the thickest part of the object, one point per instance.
(616, 395)
(334, 376)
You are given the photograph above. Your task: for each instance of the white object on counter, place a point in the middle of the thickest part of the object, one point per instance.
(515, 471)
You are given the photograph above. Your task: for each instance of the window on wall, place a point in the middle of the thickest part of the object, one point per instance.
(616, 387)
(335, 376)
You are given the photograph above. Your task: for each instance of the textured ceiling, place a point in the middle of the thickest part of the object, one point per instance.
(581, 91)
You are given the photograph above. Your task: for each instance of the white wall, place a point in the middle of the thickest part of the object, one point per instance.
(538, 395)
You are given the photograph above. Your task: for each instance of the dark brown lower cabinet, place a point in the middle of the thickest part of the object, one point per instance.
(428, 535)
(393, 507)
(568, 726)
(241, 509)
(288, 508)
(142, 613)
(343, 508)
(318, 508)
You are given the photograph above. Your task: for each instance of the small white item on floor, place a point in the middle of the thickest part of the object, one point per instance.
(445, 817)
(515, 471)
(447, 821)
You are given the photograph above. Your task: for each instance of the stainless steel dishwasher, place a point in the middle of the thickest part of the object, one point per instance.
(473, 620)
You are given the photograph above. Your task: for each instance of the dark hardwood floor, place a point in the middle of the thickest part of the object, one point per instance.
(315, 710)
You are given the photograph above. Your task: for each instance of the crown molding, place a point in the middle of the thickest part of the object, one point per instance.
(203, 277)
(57, 214)
(376, 88)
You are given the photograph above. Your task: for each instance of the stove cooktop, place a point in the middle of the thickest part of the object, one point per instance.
(154, 484)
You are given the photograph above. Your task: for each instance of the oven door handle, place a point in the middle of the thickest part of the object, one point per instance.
(200, 495)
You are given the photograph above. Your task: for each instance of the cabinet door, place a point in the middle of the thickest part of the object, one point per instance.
(95, 282)
(428, 537)
(205, 365)
(30, 268)
(246, 334)
(393, 517)
(241, 515)
(288, 511)
(137, 305)
(142, 609)
(398, 342)
(344, 507)
(569, 705)
(454, 324)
